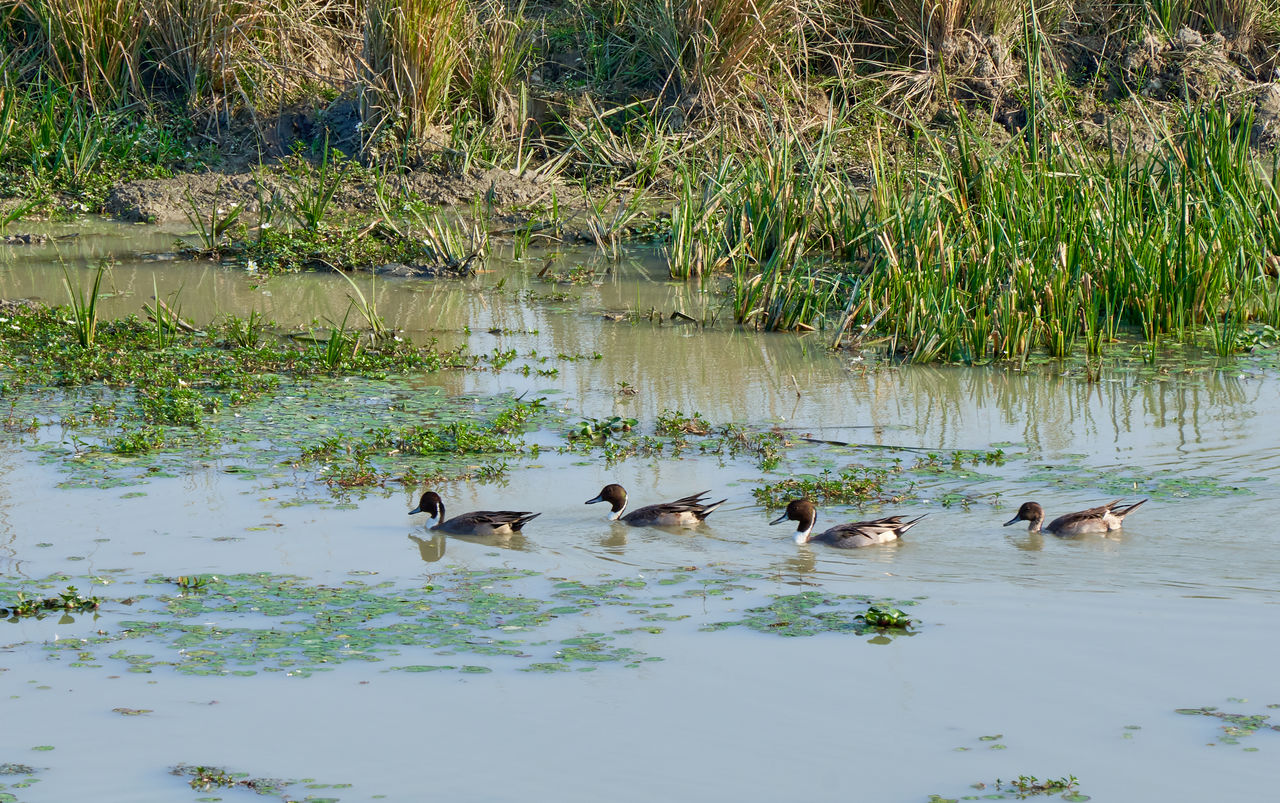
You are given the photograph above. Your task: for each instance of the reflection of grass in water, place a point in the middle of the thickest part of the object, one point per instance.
(249, 623)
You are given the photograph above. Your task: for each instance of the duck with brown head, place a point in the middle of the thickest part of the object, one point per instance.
(480, 522)
(686, 512)
(1100, 519)
(844, 536)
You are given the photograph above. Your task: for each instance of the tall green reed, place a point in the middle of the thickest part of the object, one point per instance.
(84, 305)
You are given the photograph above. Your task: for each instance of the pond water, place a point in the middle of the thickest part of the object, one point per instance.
(1032, 655)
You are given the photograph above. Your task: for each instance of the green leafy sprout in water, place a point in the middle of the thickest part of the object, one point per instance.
(70, 600)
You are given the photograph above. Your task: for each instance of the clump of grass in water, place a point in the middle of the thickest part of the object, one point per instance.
(84, 306)
(996, 252)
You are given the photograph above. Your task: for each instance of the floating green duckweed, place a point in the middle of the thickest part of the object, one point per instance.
(243, 624)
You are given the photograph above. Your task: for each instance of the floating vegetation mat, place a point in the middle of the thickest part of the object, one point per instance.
(299, 427)
(209, 779)
(795, 615)
(1021, 788)
(13, 778)
(1235, 726)
(465, 621)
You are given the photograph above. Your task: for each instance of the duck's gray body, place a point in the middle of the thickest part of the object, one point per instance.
(1100, 519)
(480, 522)
(688, 511)
(844, 536)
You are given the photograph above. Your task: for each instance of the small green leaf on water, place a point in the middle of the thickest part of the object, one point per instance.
(132, 712)
(44, 748)
(990, 738)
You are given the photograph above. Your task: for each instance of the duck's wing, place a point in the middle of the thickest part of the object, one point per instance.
(687, 504)
(497, 518)
(1097, 512)
(690, 504)
(873, 531)
(1092, 520)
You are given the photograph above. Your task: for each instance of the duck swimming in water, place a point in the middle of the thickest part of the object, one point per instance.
(686, 512)
(844, 536)
(481, 522)
(1101, 519)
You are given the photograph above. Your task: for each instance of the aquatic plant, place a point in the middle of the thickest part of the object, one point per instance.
(84, 305)
(309, 193)
(244, 332)
(855, 485)
(1234, 726)
(676, 423)
(797, 615)
(206, 778)
(70, 600)
(215, 228)
(367, 306)
(597, 429)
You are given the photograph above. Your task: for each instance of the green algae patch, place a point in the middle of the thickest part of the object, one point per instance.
(797, 615)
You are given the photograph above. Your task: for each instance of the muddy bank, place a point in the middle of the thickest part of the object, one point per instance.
(173, 199)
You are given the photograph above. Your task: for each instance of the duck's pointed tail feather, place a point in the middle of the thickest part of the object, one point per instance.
(709, 509)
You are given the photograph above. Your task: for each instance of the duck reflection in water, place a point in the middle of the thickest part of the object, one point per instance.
(431, 549)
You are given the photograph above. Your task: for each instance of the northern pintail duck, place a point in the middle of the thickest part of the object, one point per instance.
(686, 512)
(845, 536)
(481, 522)
(1101, 519)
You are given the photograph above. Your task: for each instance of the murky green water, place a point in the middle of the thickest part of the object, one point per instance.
(583, 660)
